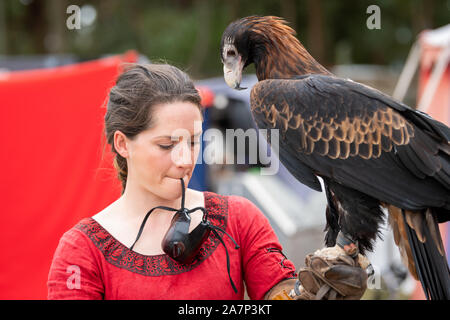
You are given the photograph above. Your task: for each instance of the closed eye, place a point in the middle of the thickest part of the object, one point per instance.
(170, 146)
(166, 147)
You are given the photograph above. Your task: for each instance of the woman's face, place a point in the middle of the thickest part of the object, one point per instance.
(158, 157)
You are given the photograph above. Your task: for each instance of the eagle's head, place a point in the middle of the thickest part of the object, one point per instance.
(248, 40)
(235, 50)
(269, 43)
(251, 40)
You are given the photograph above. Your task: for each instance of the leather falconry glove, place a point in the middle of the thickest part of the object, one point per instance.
(335, 273)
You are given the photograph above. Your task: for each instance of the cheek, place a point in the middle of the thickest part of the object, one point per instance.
(155, 160)
(162, 161)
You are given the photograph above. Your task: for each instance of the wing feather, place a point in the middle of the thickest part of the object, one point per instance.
(359, 137)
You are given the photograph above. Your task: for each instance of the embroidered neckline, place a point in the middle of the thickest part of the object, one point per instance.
(121, 256)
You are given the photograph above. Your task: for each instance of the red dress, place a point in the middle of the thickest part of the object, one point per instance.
(90, 263)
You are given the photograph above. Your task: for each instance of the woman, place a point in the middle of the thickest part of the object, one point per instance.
(126, 250)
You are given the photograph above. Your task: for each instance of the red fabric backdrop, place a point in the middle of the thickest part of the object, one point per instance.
(55, 165)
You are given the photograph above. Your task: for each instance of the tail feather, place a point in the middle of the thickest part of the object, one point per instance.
(430, 264)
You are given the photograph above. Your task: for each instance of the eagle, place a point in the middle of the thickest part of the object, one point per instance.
(377, 157)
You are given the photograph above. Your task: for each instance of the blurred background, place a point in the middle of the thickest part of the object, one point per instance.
(187, 32)
(54, 78)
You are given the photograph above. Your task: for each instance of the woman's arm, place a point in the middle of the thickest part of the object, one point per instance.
(281, 290)
(263, 260)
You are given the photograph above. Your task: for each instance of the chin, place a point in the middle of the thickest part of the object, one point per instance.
(171, 189)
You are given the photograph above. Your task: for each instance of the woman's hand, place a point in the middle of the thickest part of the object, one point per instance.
(330, 274)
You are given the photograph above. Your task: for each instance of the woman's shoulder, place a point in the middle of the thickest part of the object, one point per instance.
(229, 198)
(78, 233)
(235, 205)
(75, 245)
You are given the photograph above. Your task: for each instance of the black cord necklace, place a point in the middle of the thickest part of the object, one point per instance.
(181, 245)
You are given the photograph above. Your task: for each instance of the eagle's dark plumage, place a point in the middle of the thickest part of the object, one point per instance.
(371, 151)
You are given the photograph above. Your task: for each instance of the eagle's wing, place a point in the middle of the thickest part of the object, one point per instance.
(359, 137)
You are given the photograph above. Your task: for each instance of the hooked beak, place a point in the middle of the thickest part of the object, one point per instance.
(232, 72)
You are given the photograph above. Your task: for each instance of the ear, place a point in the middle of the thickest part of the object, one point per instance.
(121, 143)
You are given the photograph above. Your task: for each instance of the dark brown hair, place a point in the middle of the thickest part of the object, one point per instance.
(138, 88)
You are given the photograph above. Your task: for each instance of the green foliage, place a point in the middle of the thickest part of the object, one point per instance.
(187, 32)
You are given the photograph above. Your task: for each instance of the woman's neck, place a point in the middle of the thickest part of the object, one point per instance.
(135, 202)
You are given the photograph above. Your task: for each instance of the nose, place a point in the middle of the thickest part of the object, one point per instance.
(182, 155)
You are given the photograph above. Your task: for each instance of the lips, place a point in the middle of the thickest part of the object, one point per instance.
(185, 177)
